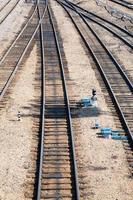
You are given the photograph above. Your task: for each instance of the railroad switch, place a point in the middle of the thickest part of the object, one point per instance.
(86, 102)
(113, 134)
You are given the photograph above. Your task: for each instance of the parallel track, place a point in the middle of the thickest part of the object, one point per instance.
(118, 84)
(14, 56)
(123, 3)
(130, 2)
(57, 177)
(57, 171)
(14, 41)
(116, 30)
(10, 11)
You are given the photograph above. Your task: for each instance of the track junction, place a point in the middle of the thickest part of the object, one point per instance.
(56, 174)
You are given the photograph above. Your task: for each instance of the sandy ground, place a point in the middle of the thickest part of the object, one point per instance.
(15, 139)
(104, 170)
(10, 27)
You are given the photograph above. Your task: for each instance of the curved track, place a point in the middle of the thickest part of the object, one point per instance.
(14, 55)
(116, 30)
(118, 84)
(57, 176)
(57, 171)
(128, 2)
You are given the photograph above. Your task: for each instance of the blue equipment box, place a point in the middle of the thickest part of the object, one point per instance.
(85, 102)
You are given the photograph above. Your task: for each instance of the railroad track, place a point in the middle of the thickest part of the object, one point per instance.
(14, 56)
(9, 12)
(25, 24)
(116, 30)
(5, 5)
(58, 178)
(123, 3)
(57, 171)
(130, 2)
(117, 82)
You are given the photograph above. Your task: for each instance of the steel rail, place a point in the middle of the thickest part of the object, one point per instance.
(9, 12)
(97, 16)
(130, 3)
(5, 5)
(21, 32)
(104, 26)
(109, 87)
(41, 152)
(10, 78)
(118, 66)
(124, 4)
(77, 196)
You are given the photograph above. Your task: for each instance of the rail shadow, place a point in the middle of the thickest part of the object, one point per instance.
(88, 112)
(60, 110)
